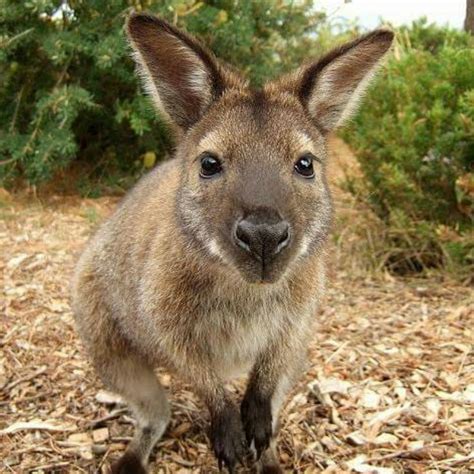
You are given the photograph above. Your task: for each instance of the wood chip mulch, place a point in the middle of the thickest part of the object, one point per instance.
(389, 388)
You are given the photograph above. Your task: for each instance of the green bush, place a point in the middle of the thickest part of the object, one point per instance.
(68, 93)
(430, 37)
(414, 138)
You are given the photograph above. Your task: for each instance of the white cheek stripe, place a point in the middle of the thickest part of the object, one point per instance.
(214, 248)
(304, 247)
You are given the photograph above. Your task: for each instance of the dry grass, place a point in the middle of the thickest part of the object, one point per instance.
(390, 387)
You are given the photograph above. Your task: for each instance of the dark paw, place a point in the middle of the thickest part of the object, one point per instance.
(256, 414)
(128, 464)
(271, 469)
(227, 438)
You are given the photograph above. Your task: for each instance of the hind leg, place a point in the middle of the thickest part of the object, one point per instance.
(138, 385)
(122, 370)
(136, 382)
(130, 376)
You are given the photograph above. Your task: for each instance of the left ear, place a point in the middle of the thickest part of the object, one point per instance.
(182, 76)
(331, 87)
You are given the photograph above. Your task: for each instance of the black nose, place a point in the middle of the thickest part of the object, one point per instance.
(262, 239)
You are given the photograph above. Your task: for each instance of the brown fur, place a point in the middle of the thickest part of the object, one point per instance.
(163, 284)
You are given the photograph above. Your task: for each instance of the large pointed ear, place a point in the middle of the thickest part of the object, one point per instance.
(181, 76)
(330, 88)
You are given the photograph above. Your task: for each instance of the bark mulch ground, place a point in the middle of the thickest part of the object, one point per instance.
(389, 388)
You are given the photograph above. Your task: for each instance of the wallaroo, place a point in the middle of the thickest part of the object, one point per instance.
(214, 264)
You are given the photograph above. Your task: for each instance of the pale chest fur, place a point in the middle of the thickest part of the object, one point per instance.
(226, 327)
(235, 337)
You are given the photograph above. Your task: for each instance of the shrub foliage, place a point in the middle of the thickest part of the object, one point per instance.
(68, 91)
(414, 138)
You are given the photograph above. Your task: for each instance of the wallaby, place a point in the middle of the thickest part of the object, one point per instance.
(213, 265)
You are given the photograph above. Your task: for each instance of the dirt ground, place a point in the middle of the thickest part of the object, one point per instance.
(389, 389)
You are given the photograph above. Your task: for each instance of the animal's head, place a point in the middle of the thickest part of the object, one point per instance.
(253, 190)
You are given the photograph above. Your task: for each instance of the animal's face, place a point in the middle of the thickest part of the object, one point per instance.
(253, 191)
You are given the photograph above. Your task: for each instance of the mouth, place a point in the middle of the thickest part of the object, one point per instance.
(260, 272)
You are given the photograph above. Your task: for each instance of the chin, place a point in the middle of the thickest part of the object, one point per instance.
(255, 276)
(252, 272)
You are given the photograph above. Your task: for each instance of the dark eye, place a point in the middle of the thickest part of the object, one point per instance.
(304, 166)
(210, 165)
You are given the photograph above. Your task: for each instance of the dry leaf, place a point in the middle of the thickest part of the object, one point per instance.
(181, 429)
(433, 405)
(16, 261)
(80, 438)
(386, 438)
(370, 399)
(388, 415)
(416, 444)
(108, 398)
(357, 438)
(358, 464)
(459, 414)
(36, 425)
(100, 435)
(333, 385)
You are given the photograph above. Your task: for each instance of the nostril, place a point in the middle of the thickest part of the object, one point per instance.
(242, 238)
(283, 240)
(284, 237)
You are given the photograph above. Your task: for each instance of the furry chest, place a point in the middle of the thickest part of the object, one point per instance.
(234, 340)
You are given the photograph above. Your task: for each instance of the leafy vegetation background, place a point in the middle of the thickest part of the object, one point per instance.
(69, 92)
(72, 111)
(414, 139)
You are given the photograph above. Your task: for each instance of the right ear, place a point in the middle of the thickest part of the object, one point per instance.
(181, 76)
(331, 87)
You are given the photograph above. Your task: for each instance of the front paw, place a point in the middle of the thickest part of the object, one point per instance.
(227, 438)
(256, 414)
(128, 464)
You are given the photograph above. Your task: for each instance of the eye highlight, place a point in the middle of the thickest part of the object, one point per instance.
(210, 165)
(304, 165)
